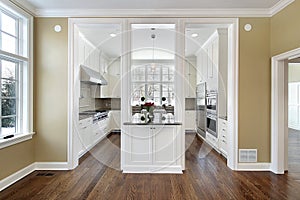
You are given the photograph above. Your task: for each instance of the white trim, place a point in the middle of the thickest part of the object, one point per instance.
(280, 6)
(278, 120)
(209, 12)
(153, 12)
(24, 5)
(51, 166)
(15, 140)
(254, 166)
(6, 182)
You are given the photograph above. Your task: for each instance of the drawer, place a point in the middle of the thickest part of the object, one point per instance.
(85, 122)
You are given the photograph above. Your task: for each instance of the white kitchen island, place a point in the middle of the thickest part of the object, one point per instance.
(152, 148)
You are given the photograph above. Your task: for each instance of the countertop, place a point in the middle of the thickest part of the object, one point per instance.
(153, 123)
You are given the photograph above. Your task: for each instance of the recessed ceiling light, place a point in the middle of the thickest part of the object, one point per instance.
(195, 35)
(113, 35)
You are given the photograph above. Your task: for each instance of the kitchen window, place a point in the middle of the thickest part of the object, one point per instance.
(15, 73)
(153, 83)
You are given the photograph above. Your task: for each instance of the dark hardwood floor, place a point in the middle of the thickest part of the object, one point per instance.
(294, 154)
(206, 177)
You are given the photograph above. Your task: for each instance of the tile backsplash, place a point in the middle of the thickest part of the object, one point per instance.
(190, 104)
(86, 102)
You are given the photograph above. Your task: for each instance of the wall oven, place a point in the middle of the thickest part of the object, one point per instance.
(211, 113)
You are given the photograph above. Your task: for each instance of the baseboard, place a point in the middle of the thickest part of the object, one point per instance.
(51, 166)
(6, 182)
(254, 167)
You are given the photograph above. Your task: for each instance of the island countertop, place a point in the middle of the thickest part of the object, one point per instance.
(153, 123)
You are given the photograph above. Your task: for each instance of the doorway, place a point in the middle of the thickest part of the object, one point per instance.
(293, 161)
(74, 94)
(279, 111)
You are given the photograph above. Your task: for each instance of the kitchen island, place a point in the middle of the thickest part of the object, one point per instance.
(152, 147)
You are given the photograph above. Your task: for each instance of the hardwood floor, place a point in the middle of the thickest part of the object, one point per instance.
(206, 177)
(294, 154)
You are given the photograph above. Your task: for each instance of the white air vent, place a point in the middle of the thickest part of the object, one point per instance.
(247, 155)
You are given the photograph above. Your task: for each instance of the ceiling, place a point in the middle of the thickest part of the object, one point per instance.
(153, 4)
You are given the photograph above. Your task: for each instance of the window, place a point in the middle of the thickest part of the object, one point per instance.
(15, 76)
(153, 83)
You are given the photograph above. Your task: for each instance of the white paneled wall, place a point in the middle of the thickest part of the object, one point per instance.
(294, 105)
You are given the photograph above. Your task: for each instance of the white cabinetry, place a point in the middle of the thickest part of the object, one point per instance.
(112, 75)
(84, 136)
(152, 149)
(190, 120)
(190, 77)
(222, 128)
(90, 134)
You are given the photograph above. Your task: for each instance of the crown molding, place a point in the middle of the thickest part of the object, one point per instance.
(25, 5)
(280, 6)
(153, 13)
(258, 12)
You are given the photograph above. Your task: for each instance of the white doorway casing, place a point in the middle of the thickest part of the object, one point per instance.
(232, 102)
(279, 118)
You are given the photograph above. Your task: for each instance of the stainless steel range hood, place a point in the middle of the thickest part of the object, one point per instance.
(90, 76)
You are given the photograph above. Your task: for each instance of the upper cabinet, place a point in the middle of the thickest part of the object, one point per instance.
(209, 44)
(112, 75)
(99, 48)
(190, 77)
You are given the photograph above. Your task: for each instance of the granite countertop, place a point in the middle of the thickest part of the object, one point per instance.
(153, 123)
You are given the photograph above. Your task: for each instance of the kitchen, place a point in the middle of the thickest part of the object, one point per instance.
(205, 66)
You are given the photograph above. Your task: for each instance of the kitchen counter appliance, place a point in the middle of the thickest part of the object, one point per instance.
(211, 112)
(97, 115)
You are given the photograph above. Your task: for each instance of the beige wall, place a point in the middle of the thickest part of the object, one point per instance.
(294, 72)
(285, 29)
(16, 157)
(51, 82)
(254, 87)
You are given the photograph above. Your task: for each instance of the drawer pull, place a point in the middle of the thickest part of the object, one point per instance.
(223, 129)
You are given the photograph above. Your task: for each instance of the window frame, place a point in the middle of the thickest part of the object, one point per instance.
(24, 58)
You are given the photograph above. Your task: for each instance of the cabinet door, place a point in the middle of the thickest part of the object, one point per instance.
(139, 146)
(164, 145)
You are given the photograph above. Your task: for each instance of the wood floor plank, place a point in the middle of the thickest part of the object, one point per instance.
(98, 176)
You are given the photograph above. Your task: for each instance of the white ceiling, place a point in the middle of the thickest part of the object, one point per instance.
(150, 4)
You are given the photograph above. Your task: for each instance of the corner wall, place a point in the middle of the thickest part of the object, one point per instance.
(285, 29)
(51, 90)
(255, 87)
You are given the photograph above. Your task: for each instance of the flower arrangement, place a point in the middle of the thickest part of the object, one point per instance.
(149, 106)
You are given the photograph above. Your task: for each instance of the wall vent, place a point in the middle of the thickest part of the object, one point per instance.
(247, 155)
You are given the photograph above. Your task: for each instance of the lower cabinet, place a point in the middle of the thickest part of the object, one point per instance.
(152, 149)
(222, 128)
(90, 134)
